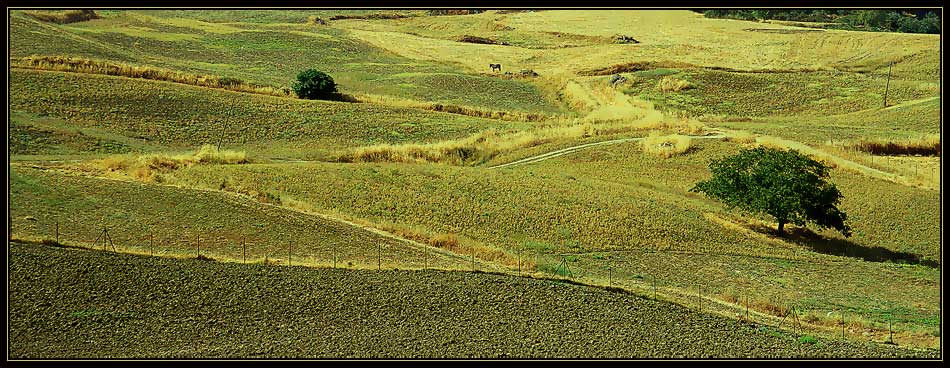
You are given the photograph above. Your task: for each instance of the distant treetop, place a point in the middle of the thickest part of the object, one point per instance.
(885, 20)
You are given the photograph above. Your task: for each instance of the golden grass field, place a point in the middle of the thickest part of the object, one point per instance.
(134, 104)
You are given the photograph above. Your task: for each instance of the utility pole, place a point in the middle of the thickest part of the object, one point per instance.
(888, 85)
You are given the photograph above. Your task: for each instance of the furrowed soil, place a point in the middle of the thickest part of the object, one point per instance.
(74, 303)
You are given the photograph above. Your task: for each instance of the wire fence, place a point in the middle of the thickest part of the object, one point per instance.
(608, 269)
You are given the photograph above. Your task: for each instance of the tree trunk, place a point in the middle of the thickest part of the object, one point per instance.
(781, 228)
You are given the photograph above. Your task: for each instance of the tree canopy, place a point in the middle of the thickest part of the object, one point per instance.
(312, 84)
(882, 20)
(784, 184)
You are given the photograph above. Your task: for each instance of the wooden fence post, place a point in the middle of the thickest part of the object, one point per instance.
(519, 263)
(747, 306)
(890, 330)
(797, 321)
(842, 324)
(654, 287)
(888, 85)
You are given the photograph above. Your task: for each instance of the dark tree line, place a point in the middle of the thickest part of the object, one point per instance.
(883, 20)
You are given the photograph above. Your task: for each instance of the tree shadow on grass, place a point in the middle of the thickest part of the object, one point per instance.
(847, 248)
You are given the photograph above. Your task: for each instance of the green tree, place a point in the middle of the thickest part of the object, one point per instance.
(312, 84)
(784, 184)
(930, 23)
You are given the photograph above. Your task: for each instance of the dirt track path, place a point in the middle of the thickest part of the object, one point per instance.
(912, 102)
(564, 151)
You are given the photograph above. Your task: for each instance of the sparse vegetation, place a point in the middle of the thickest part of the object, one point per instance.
(479, 40)
(90, 66)
(150, 167)
(928, 145)
(63, 16)
(635, 67)
(484, 146)
(453, 109)
(741, 137)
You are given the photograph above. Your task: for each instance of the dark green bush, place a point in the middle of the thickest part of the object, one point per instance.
(315, 85)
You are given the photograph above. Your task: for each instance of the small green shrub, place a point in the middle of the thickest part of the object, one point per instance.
(313, 85)
(807, 340)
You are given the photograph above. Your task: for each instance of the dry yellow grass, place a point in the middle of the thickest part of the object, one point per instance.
(742, 137)
(670, 84)
(711, 42)
(91, 66)
(453, 109)
(666, 145)
(927, 145)
(148, 167)
(484, 146)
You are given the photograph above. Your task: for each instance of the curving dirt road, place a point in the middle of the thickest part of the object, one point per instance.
(564, 151)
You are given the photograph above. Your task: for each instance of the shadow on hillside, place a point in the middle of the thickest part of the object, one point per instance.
(847, 248)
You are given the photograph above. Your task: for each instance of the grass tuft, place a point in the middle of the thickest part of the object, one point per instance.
(741, 136)
(670, 84)
(149, 167)
(666, 146)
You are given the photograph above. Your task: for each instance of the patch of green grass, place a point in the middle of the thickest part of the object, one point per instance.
(770, 94)
(265, 16)
(178, 116)
(629, 190)
(462, 89)
(32, 134)
(806, 339)
(656, 73)
(268, 55)
(136, 213)
(557, 269)
(899, 123)
(33, 37)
